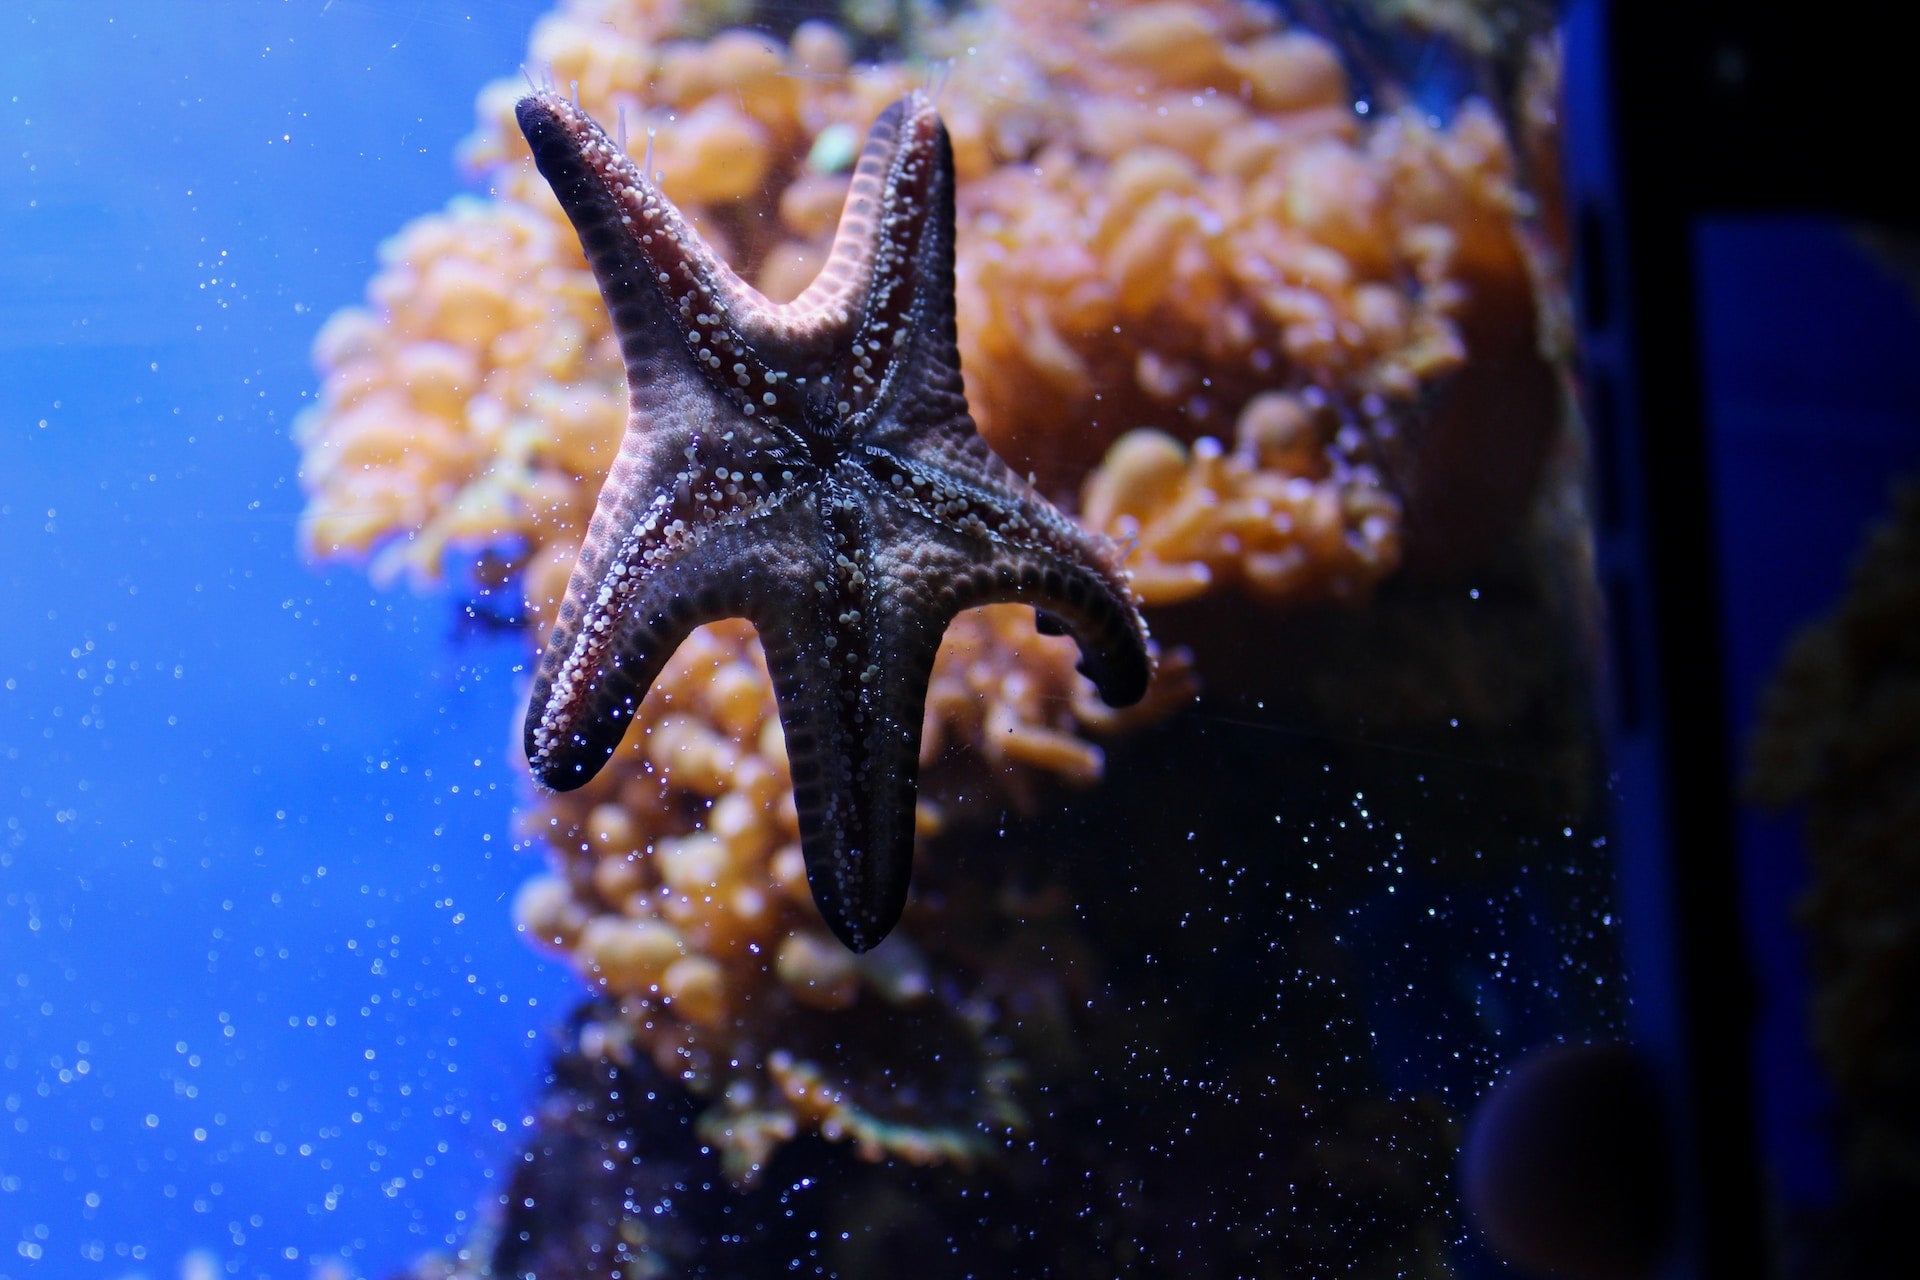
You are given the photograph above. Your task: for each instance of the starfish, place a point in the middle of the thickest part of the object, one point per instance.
(812, 467)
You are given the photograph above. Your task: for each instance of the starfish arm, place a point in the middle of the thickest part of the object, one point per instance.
(986, 533)
(695, 337)
(904, 393)
(894, 259)
(629, 604)
(890, 173)
(918, 436)
(850, 653)
(1085, 596)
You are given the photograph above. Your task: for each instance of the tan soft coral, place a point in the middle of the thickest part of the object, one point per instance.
(1197, 291)
(1164, 214)
(462, 406)
(1201, 220)
(1291, 513)
(679, 889)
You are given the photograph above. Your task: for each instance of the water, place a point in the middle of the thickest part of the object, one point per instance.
(262, 997)
(266, 1011)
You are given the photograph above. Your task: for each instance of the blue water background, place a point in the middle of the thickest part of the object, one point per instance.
(259, 992)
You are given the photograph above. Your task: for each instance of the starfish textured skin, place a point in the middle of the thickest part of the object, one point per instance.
(810, 466)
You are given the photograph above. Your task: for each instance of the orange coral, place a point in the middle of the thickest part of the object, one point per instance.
(681, 893)
(1174, 231)
(1165, 214)
(1288, 514)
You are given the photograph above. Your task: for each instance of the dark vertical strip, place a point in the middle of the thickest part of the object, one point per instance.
(1657, 60)
(1638, 191)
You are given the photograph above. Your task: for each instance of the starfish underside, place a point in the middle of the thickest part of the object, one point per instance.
(812, 467)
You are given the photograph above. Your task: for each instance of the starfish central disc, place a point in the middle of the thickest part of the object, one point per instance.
(810, 466)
